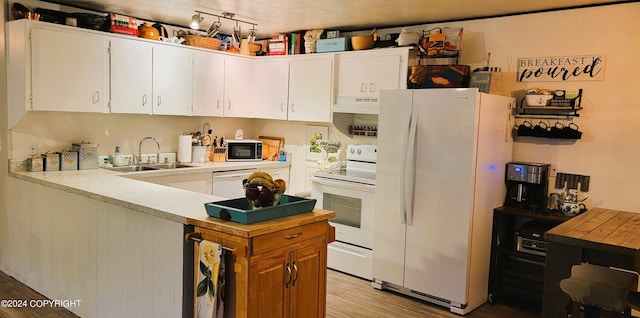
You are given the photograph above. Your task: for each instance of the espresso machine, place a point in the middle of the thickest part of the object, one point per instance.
(527, 185)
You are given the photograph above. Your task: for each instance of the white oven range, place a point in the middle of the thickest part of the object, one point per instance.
(350, 192)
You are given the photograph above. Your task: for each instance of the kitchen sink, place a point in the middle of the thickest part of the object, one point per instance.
(147, 167)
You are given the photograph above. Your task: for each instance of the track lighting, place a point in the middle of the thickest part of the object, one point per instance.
(213, 30)
(195, 21)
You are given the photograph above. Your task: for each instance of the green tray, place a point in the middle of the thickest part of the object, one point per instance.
(238, 210)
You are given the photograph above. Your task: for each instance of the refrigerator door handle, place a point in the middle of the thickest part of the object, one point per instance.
(408, 169)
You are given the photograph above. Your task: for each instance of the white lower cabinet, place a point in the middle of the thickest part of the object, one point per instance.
(117, 262)
(68, 71)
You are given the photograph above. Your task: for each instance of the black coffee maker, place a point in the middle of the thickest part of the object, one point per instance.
(527, 185)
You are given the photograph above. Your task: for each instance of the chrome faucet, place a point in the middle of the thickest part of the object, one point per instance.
(140, 149)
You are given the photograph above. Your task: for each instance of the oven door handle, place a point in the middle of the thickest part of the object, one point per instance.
(344, 184)
(409, 170)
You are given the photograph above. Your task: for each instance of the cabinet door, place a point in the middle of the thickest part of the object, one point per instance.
(131, 67)
(352, 76)
(308, 294)
(310, 89)
(237, 88)
(270, 88)
(269, 285)
(383, 73)
(172, 80)
(364, 77)
(208, 83)
(69, 71)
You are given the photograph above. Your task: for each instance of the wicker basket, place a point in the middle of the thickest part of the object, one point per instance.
(202, 41)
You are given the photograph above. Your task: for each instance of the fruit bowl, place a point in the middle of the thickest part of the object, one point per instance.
(263, 193)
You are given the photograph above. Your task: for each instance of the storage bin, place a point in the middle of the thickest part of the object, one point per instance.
(87, 155)
(68, 160)
(35, 164)
(332, 45)
(51, 161)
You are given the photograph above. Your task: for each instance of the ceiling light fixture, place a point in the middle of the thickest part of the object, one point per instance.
(195, 21)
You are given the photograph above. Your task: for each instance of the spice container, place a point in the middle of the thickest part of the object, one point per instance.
(35, 163)
(87, 155)
(68, 160)
(51, 161)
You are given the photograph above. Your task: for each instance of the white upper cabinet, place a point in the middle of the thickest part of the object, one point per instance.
(362, 75)
(172, 80)
(237, 87)
(311, 88)
(270, 88)
(208, 83)
(131, 76)
(68, 71)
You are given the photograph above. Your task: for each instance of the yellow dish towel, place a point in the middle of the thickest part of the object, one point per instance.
(209, 291)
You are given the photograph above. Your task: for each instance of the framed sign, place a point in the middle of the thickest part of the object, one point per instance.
(561, 68)
(315, 133)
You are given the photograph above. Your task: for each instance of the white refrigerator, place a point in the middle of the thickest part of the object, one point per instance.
(440, 172)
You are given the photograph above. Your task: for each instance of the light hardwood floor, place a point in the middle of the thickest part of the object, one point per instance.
(347, 297)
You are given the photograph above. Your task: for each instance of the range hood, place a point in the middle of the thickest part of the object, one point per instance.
(357, 105)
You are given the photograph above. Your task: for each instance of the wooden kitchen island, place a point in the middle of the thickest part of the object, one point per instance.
(277, 268)
(599, 236)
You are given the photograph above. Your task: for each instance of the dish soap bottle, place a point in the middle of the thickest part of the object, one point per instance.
(117, 158)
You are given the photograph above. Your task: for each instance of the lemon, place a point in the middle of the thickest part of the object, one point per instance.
(208, 253)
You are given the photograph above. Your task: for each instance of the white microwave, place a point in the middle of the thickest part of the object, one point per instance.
(244, 150)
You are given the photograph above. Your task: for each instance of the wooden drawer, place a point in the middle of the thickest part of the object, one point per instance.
(269, 242)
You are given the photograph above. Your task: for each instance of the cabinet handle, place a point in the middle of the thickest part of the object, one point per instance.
(218, 104)
(363, 87)
(159, 100)
(293, 108)
(295, 268)
(144, 99)
(288, 237)
(95, 98)
(372, 87)
(281, 107)
(288, 276)
(229, 103)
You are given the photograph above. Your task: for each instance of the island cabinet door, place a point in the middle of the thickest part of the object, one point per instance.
(291, 283)
(308, 287)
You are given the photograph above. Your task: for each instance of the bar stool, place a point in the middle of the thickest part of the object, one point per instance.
(598, 287)
(633, 300)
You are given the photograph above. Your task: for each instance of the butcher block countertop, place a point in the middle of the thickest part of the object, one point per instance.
(177, 205)
(615, 230)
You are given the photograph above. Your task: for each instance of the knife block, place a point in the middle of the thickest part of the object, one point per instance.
(219, 154)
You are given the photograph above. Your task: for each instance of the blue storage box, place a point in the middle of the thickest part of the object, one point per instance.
(332, 45)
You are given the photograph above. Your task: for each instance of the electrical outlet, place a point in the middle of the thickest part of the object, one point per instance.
(169, 157)
(553, 170)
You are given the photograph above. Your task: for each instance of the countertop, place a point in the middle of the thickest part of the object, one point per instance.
(122, 189)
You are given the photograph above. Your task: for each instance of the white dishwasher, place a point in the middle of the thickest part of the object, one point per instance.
(228, 183)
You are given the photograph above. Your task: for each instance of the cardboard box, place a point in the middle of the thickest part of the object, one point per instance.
(332, 45)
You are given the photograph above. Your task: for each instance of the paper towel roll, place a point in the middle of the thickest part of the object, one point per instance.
(184, 148)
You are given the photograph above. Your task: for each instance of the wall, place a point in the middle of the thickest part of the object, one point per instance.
(608, 150)
(4, 149)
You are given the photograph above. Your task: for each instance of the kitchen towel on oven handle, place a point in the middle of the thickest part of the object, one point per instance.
(210, 282)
